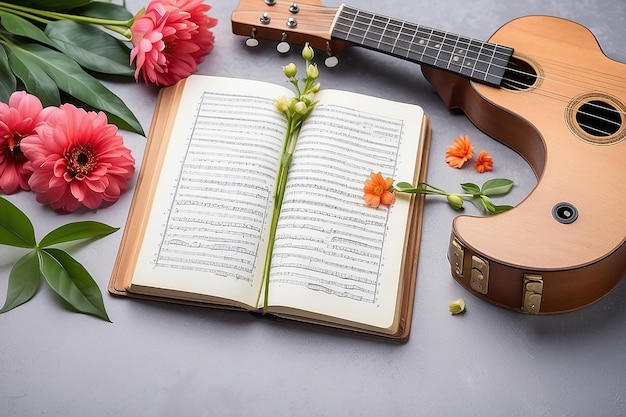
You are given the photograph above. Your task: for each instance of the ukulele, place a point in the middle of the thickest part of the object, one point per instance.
(540, 85)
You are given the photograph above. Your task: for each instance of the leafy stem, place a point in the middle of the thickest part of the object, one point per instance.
(40, 15)
(296, 110)
(478, 195)
(64, 274)
(16, 11)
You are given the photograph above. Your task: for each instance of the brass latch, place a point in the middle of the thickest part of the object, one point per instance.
(479, 280)
(457, 257)
(533, 289)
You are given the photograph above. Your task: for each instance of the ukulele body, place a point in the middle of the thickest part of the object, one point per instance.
(561, 106)
(563, 247)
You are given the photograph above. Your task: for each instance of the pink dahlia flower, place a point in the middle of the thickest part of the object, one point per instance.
(76, 159)
(170, 38)
(203, 37)
(18, 120)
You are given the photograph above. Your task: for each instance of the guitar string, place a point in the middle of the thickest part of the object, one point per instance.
(443, 35)
(468, 41)
(330, 13)
(328, 16)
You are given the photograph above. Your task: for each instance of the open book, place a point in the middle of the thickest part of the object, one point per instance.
(198, 225)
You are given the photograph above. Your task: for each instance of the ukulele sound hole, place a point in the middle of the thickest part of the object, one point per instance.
(598, 118)
(519, 75)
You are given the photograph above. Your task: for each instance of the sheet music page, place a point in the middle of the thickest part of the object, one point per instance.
(334, 254)
(207, 228)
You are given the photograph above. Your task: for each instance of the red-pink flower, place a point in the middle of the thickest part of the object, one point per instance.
(170, 38)
(76, 159)
(198, 12)
(18, 119)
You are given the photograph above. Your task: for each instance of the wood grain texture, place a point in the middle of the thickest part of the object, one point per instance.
(581, 261)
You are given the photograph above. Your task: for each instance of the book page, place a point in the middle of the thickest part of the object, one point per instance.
(208, 224)
(333, 254)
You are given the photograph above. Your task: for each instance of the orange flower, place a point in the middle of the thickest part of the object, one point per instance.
(376, 190)
(459, 152)
(484, 162)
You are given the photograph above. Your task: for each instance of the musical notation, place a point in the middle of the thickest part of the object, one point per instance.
(218, 211)
(327, 239)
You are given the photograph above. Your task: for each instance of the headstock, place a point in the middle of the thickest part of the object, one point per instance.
(288, 23)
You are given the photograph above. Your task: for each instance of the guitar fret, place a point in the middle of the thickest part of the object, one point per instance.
(375, 34)
(452, 51)
(425, 37)
(444, 55)
(382, 34)
(408, 38)
(400, 32)
(393, 29)
(433, 46)
(480, 61)
(359, 26)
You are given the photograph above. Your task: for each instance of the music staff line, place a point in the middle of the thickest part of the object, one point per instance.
(203, 266)
(311, 267)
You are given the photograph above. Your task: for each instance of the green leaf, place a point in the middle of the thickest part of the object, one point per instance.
(22, 27)
(286, 159)
(470, 188)
(501, 209)
(8, 83)
(487, 204)
(23, 281)
(408, 188)
(102, 10)
(56, 5)
(15, 227)
(35, 78)
(72, 79)
(91, 47)
(497, 186)
(403, 186)
(476, 202)
(72, 282)
(76, 231)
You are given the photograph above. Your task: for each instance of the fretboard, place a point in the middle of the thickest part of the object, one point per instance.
(479, 61)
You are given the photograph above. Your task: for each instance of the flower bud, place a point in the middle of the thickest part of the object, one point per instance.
(307, 52)
(315, 88)
(457, 306)
(312, 72)
(282, 103)
(300, 107)
(455, 201)
(290, 70)
(308, 98)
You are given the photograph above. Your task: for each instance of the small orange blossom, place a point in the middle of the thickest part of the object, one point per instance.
(376, 190)
(484, 162)
(459, 152)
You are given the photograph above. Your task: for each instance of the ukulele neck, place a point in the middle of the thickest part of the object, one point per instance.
(476, 60)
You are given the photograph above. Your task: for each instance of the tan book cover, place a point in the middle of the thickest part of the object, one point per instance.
(197, 230)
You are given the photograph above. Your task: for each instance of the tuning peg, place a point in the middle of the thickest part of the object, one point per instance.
(283, 46)
(252, 41)
(331, 61)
